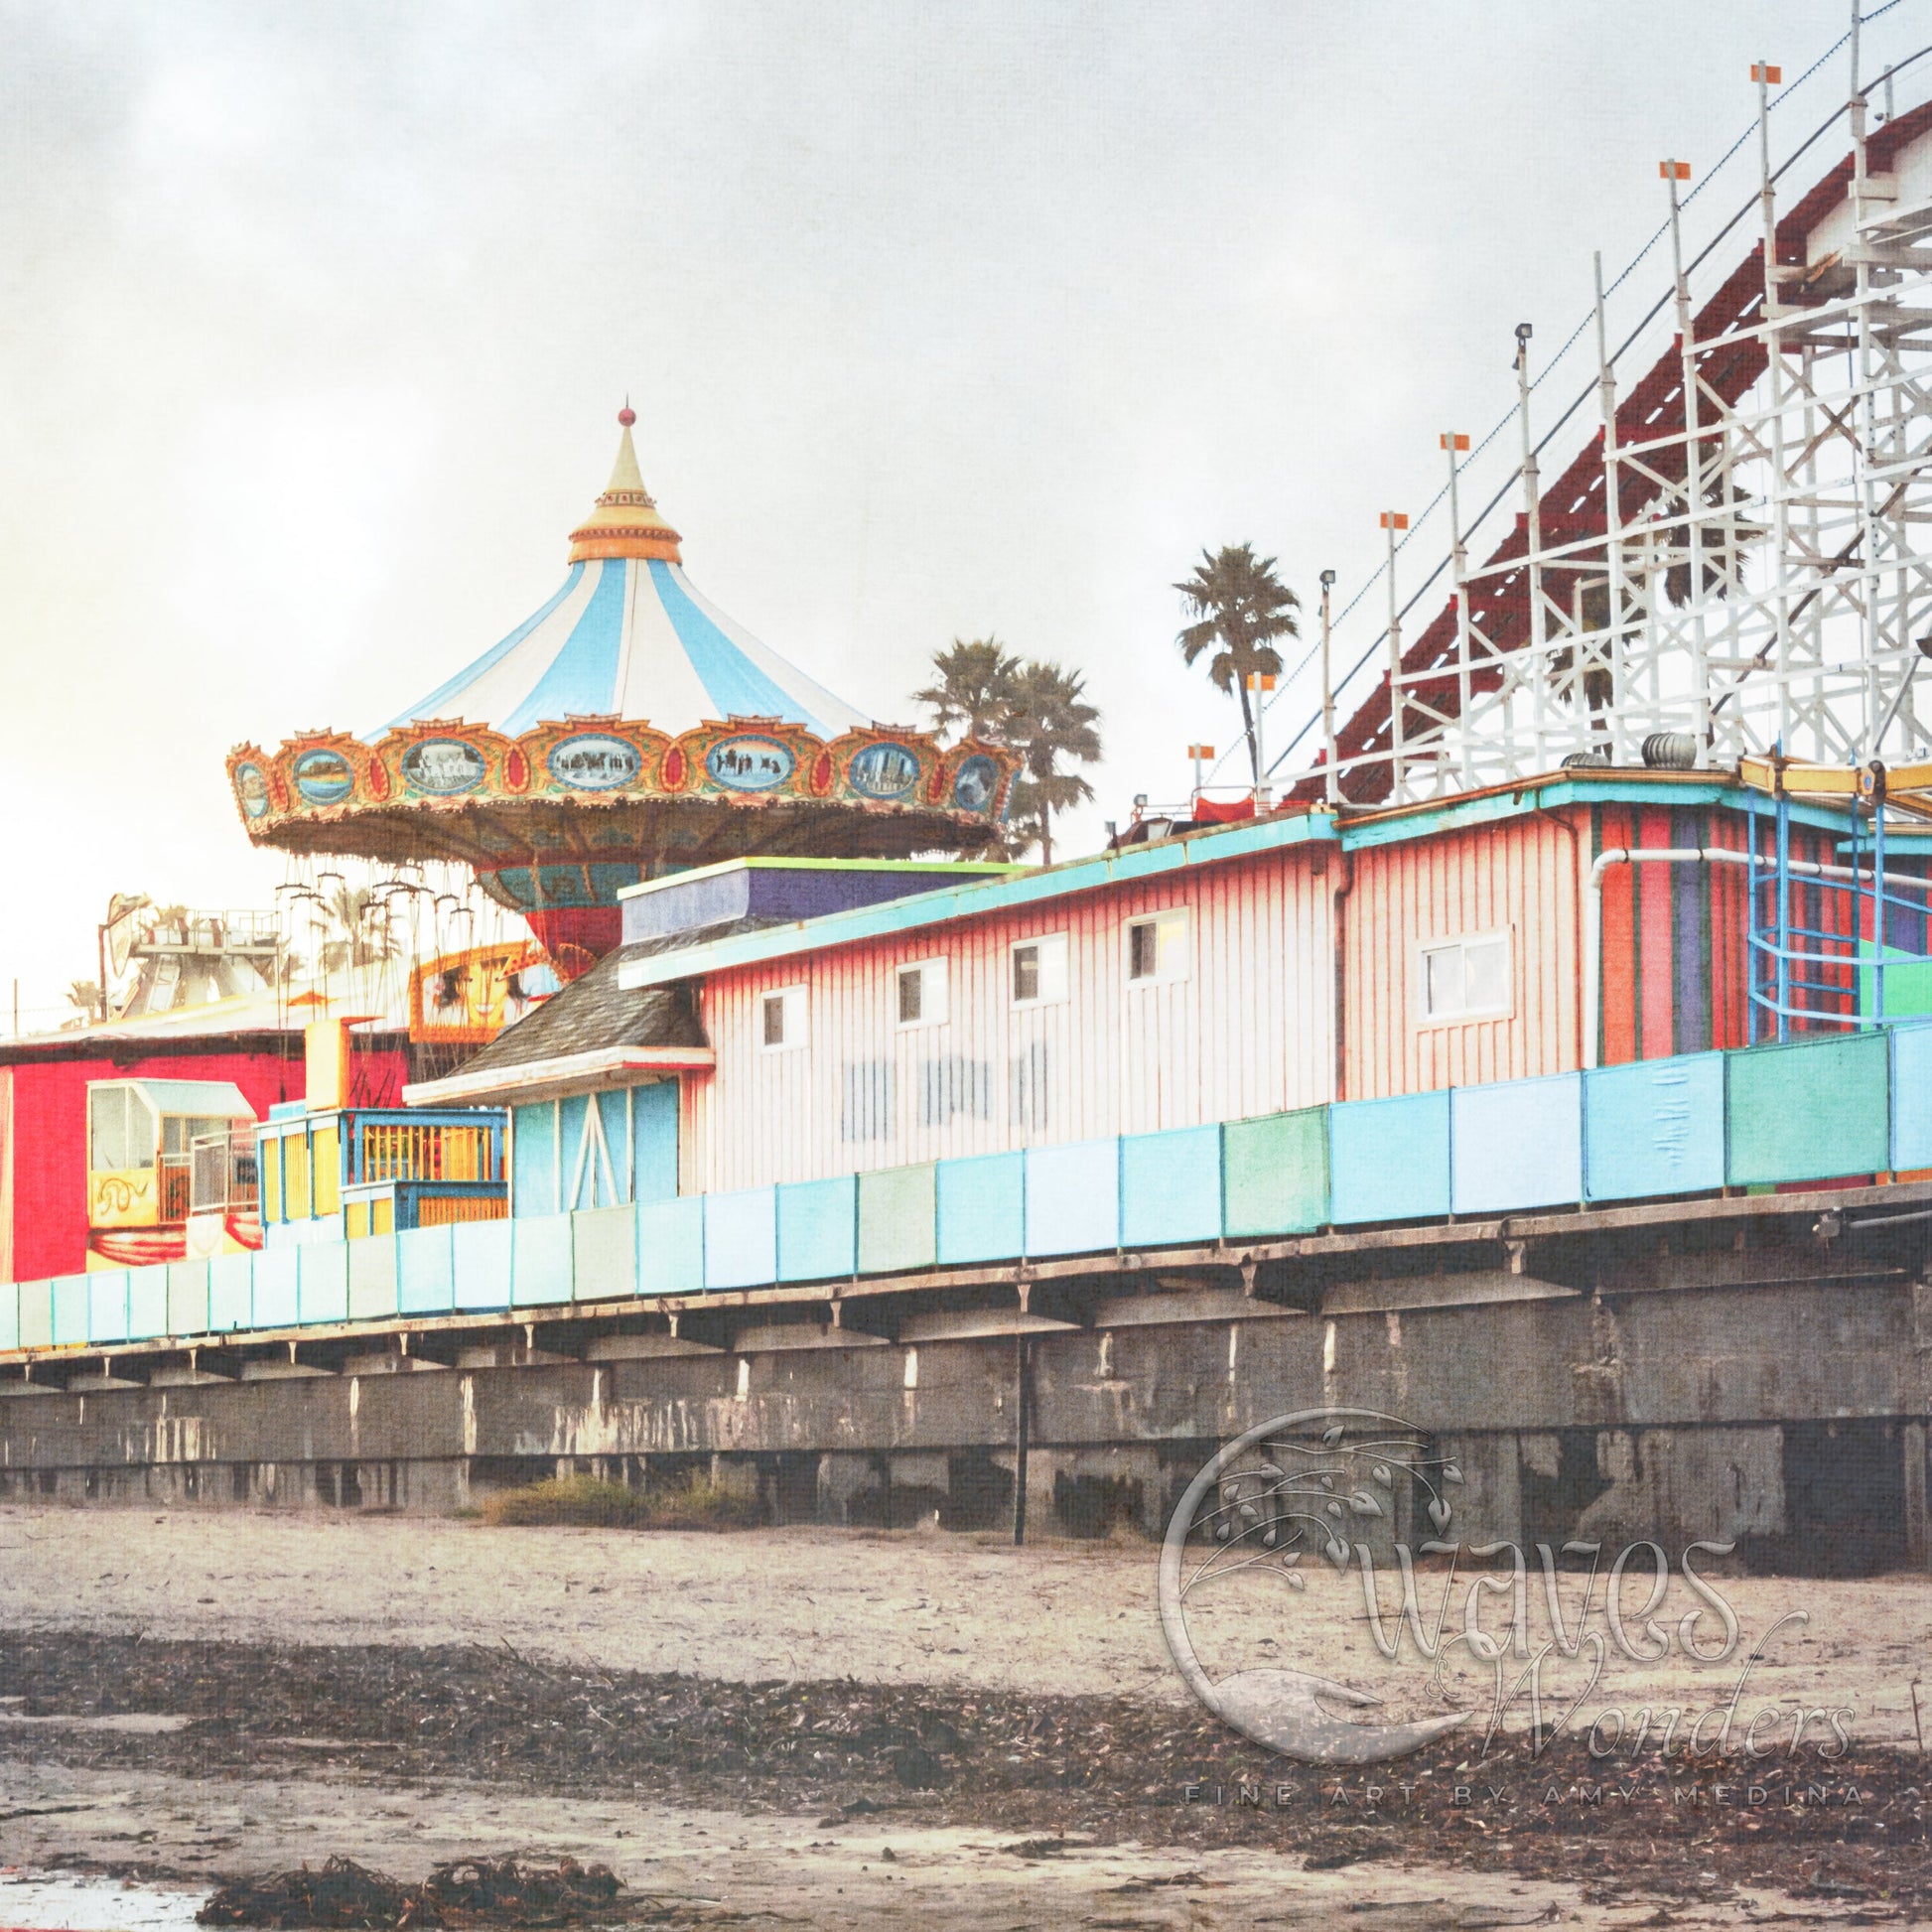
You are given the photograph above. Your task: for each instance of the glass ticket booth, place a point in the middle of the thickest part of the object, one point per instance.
(145, 1139)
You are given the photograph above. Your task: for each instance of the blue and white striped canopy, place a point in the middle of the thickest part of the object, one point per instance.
(629, 637)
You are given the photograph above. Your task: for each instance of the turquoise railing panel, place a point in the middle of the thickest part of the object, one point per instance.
(147, 1303)
(277, 1292)
(1654, 1127)
(982, 1208)
(1389, 1159)
(670, 1246)
(818, 1224)
(1170, 1187)
(188, 1297)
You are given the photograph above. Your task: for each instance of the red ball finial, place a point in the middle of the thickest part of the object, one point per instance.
(626, 415)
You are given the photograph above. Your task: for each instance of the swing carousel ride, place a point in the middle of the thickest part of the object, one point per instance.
(626, 730)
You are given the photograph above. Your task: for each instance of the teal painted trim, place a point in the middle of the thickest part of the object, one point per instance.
(989, 867)
(951, 902)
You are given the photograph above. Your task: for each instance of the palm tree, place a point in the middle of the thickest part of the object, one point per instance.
(1049, 719)
(974, 693)
(1239, 605)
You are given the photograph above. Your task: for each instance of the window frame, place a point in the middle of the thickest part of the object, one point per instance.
(1181, 915)
(926, 969)
(1044, 996)
(1460, 943)
(795, 1019)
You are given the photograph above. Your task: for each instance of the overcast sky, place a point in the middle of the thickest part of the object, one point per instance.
(938, 320)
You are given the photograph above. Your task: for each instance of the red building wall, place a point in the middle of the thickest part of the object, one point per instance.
(43, 1134)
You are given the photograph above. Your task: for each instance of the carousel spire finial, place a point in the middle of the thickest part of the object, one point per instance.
(625, 523)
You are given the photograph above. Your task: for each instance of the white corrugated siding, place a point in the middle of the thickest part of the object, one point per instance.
(1246, 1031)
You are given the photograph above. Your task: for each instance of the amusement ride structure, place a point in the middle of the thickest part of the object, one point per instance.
(1737, 560)
(626, 730)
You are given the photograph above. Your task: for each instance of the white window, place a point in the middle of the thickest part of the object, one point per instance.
(1157, 948)
(1466, 979)
(923, 994)
(1040, 971)
(781, 1019)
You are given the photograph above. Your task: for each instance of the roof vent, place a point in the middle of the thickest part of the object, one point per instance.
(1671, 752)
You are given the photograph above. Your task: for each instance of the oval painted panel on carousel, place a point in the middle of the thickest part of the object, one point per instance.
(323, 777)
(593, 761)
(251, 788)
(444, 767)
(884, 771)
(975, 784)
(748, 763)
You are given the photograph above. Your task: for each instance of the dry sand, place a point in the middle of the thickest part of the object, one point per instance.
(909, 1608)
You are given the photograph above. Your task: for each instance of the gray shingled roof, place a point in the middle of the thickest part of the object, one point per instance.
(592, 1013)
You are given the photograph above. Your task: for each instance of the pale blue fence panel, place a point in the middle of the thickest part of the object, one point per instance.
(230, 1293)
(69, 1310)
(372, 1278)
(818, 1229)
(604, 1253)
(670, 1246)
(188, 1297)
(147, 1303)
(322, 1281)
(1170, 1187)
(1073, 1197)
(1911, 1098)
(277, 1301)
(425, 1271)
(982, 1208)
(741, 1238)
(480, 1258)
(1654, 1127)
(107, 1306)
(1389, 1159)
(541, 1270)
(9, 1314)
(1516, 1144)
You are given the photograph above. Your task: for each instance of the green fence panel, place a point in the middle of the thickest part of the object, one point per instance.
(670, 1246)
(604, 1253)
(898, 1219)
(540, 1264)
(372, 1278)
(230, 1291)
(322, 1281)
(36, 1314)
(70, 1311)
(107, 1306)
(1815, 1110)
(147, 1302)
(1274, 1172)
(188, 1297)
